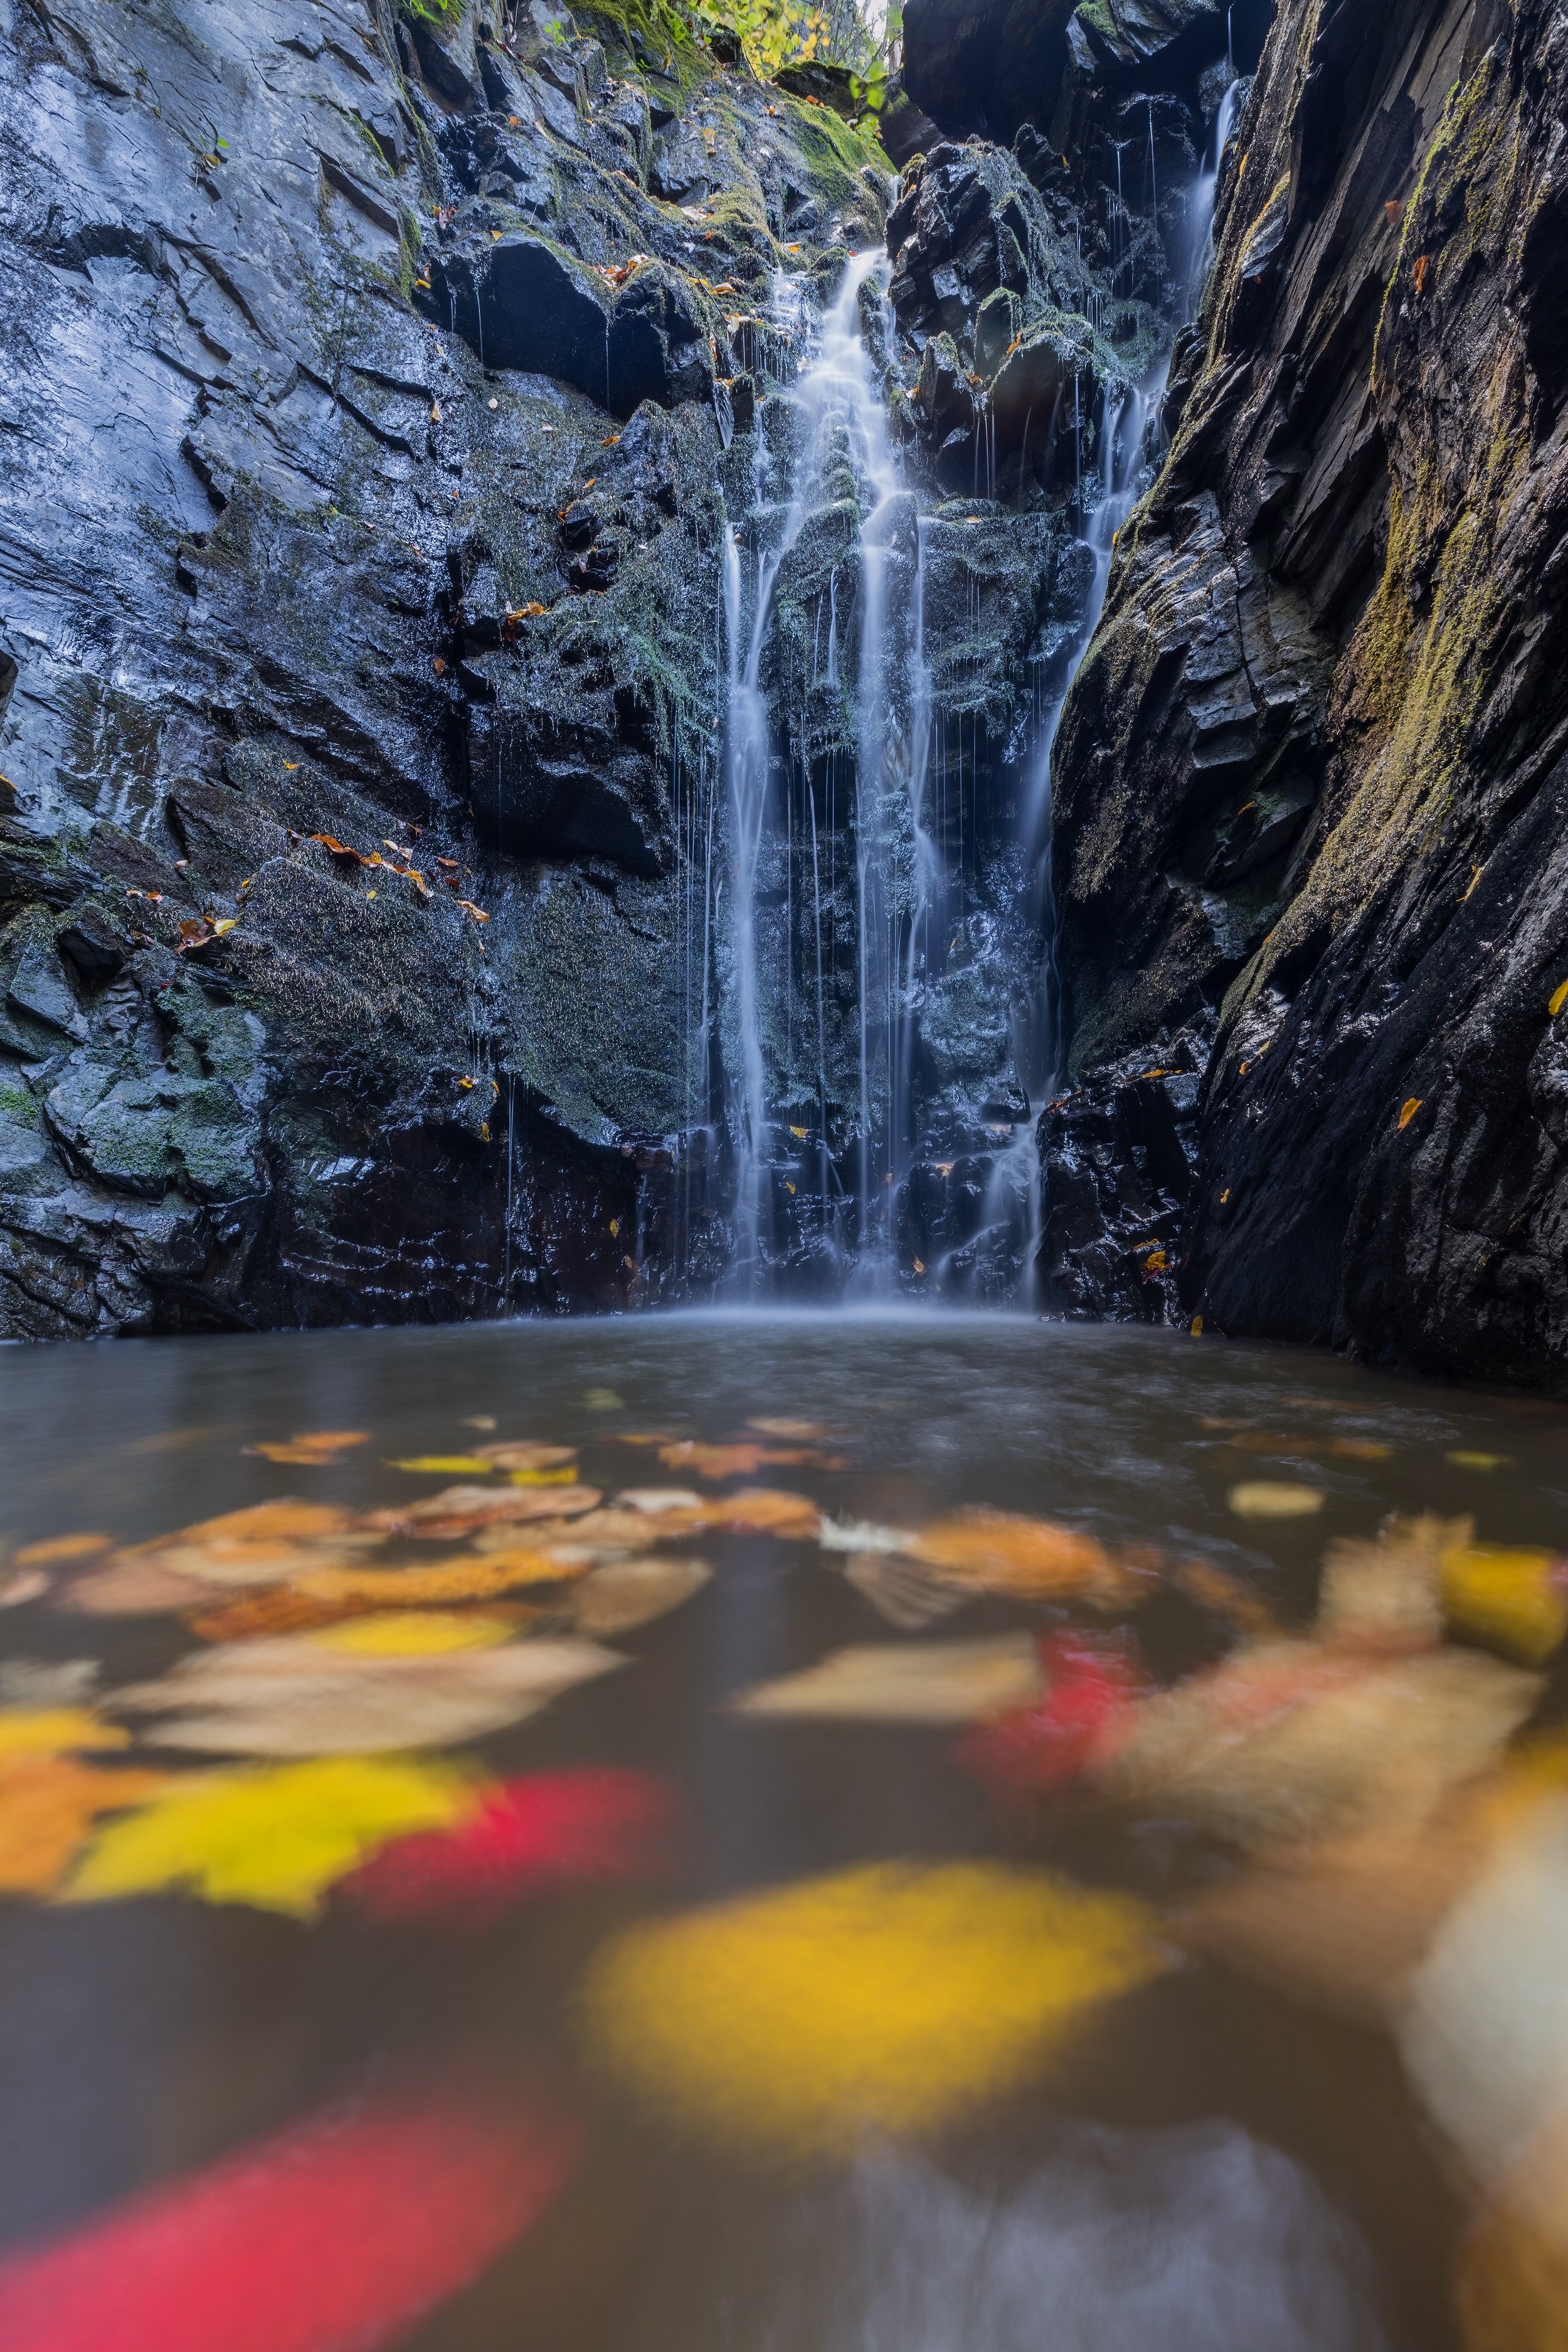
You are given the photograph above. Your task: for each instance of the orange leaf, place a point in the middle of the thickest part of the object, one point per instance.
(1408, 1112)
(1002, 1552)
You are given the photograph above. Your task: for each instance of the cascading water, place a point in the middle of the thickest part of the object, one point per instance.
(840, 425)
(859, 865)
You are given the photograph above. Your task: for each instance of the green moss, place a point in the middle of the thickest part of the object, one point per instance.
(18, 1106)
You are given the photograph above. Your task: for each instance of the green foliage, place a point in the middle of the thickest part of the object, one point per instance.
(433, 12)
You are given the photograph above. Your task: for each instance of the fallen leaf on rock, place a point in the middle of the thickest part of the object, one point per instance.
(459, 1510)
(275, 1837)
(48, 1806)
(628, 1592)
(336, 2234)
(1513, 1599)
(900, 1591)
(1289, 1741)
(924, 1681)
(887, 1999)
(315, 1445)
(1091, 1687)
(293, 1695)
(1272, 1498)
(523, 1838)
(1028, 1559)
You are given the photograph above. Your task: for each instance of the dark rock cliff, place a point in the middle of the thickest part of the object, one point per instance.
(353, 643)
(1311, 781)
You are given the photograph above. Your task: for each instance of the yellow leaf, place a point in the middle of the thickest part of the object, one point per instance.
(1461, 1460)
(1270, 1498)
(61, 1547)
(1408, 1112)
(1512, 1599)
(445, 1466)
(54, 1731)
(415, 1633)
(224, 923)
(275, 1836)
(885, 1999)
(1559, 999)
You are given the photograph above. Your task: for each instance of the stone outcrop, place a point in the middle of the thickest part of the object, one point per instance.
(369, 389)
(1310, 781)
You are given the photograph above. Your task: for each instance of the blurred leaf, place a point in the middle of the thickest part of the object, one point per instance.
(1031, 1559)
(1513, 1598)
(47, 1804)
(336, 2234)
(316, 1445)
(55, 1731)
(523, 1838)
(415, 1633)
(1271, 1498)
(924, 1681)
(458, 1511)
(1384, 1595)
(517, 1453)
(887, 1999)
(447, 1466)
(741, 1461)
(276, 1837)
(468, 1576)
(902, 1593)
(628, 1592)
(1288, 1740)
(1090, 1686)
(294, 1695)
(763, 1511)
(58, 1550)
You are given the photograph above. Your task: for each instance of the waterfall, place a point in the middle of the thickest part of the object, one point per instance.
(840, 419)
(1200, 232)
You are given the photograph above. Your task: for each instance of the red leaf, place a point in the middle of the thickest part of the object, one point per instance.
(335, 2234)
(531, 1836)
(1092, 1687)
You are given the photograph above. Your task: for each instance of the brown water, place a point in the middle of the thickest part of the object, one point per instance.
(1205, 2163)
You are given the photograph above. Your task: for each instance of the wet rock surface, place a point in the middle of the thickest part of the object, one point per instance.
(1309, 781)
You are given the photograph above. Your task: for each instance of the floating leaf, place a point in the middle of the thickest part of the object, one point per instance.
(624, 1593)
(275, 1837)
(468, 1577)
(742, 1461)
(458, 1511)
(926, 1681)
(1031, 1559)
(1270, 1498)
(777, 1425)
(315, 1445)
(1384, 1595)
(48, 1805)
(340, 2230)
(1091, 1687)
(1461, 1460)
(764, 1511)
(517, 1453)
(1224, 1596)
(58, 1550)
(262, 1545)
(1289, 1740)
(523, 1838)
(885, 1999)
(1514, 1600)
(54, 1731)
(906, 1595)
(415, 1633)
(294, 1695)
(445, 1466)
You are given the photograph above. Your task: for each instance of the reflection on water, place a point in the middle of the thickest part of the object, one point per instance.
(753, 1833)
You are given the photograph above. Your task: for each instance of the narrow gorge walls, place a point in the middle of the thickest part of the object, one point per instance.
(1310, 782)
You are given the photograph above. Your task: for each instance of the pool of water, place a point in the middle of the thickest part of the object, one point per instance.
(928, 2127)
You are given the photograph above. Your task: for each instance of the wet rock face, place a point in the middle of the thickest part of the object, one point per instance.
(368, 396)
(1117, 1156)
(1309, 781)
